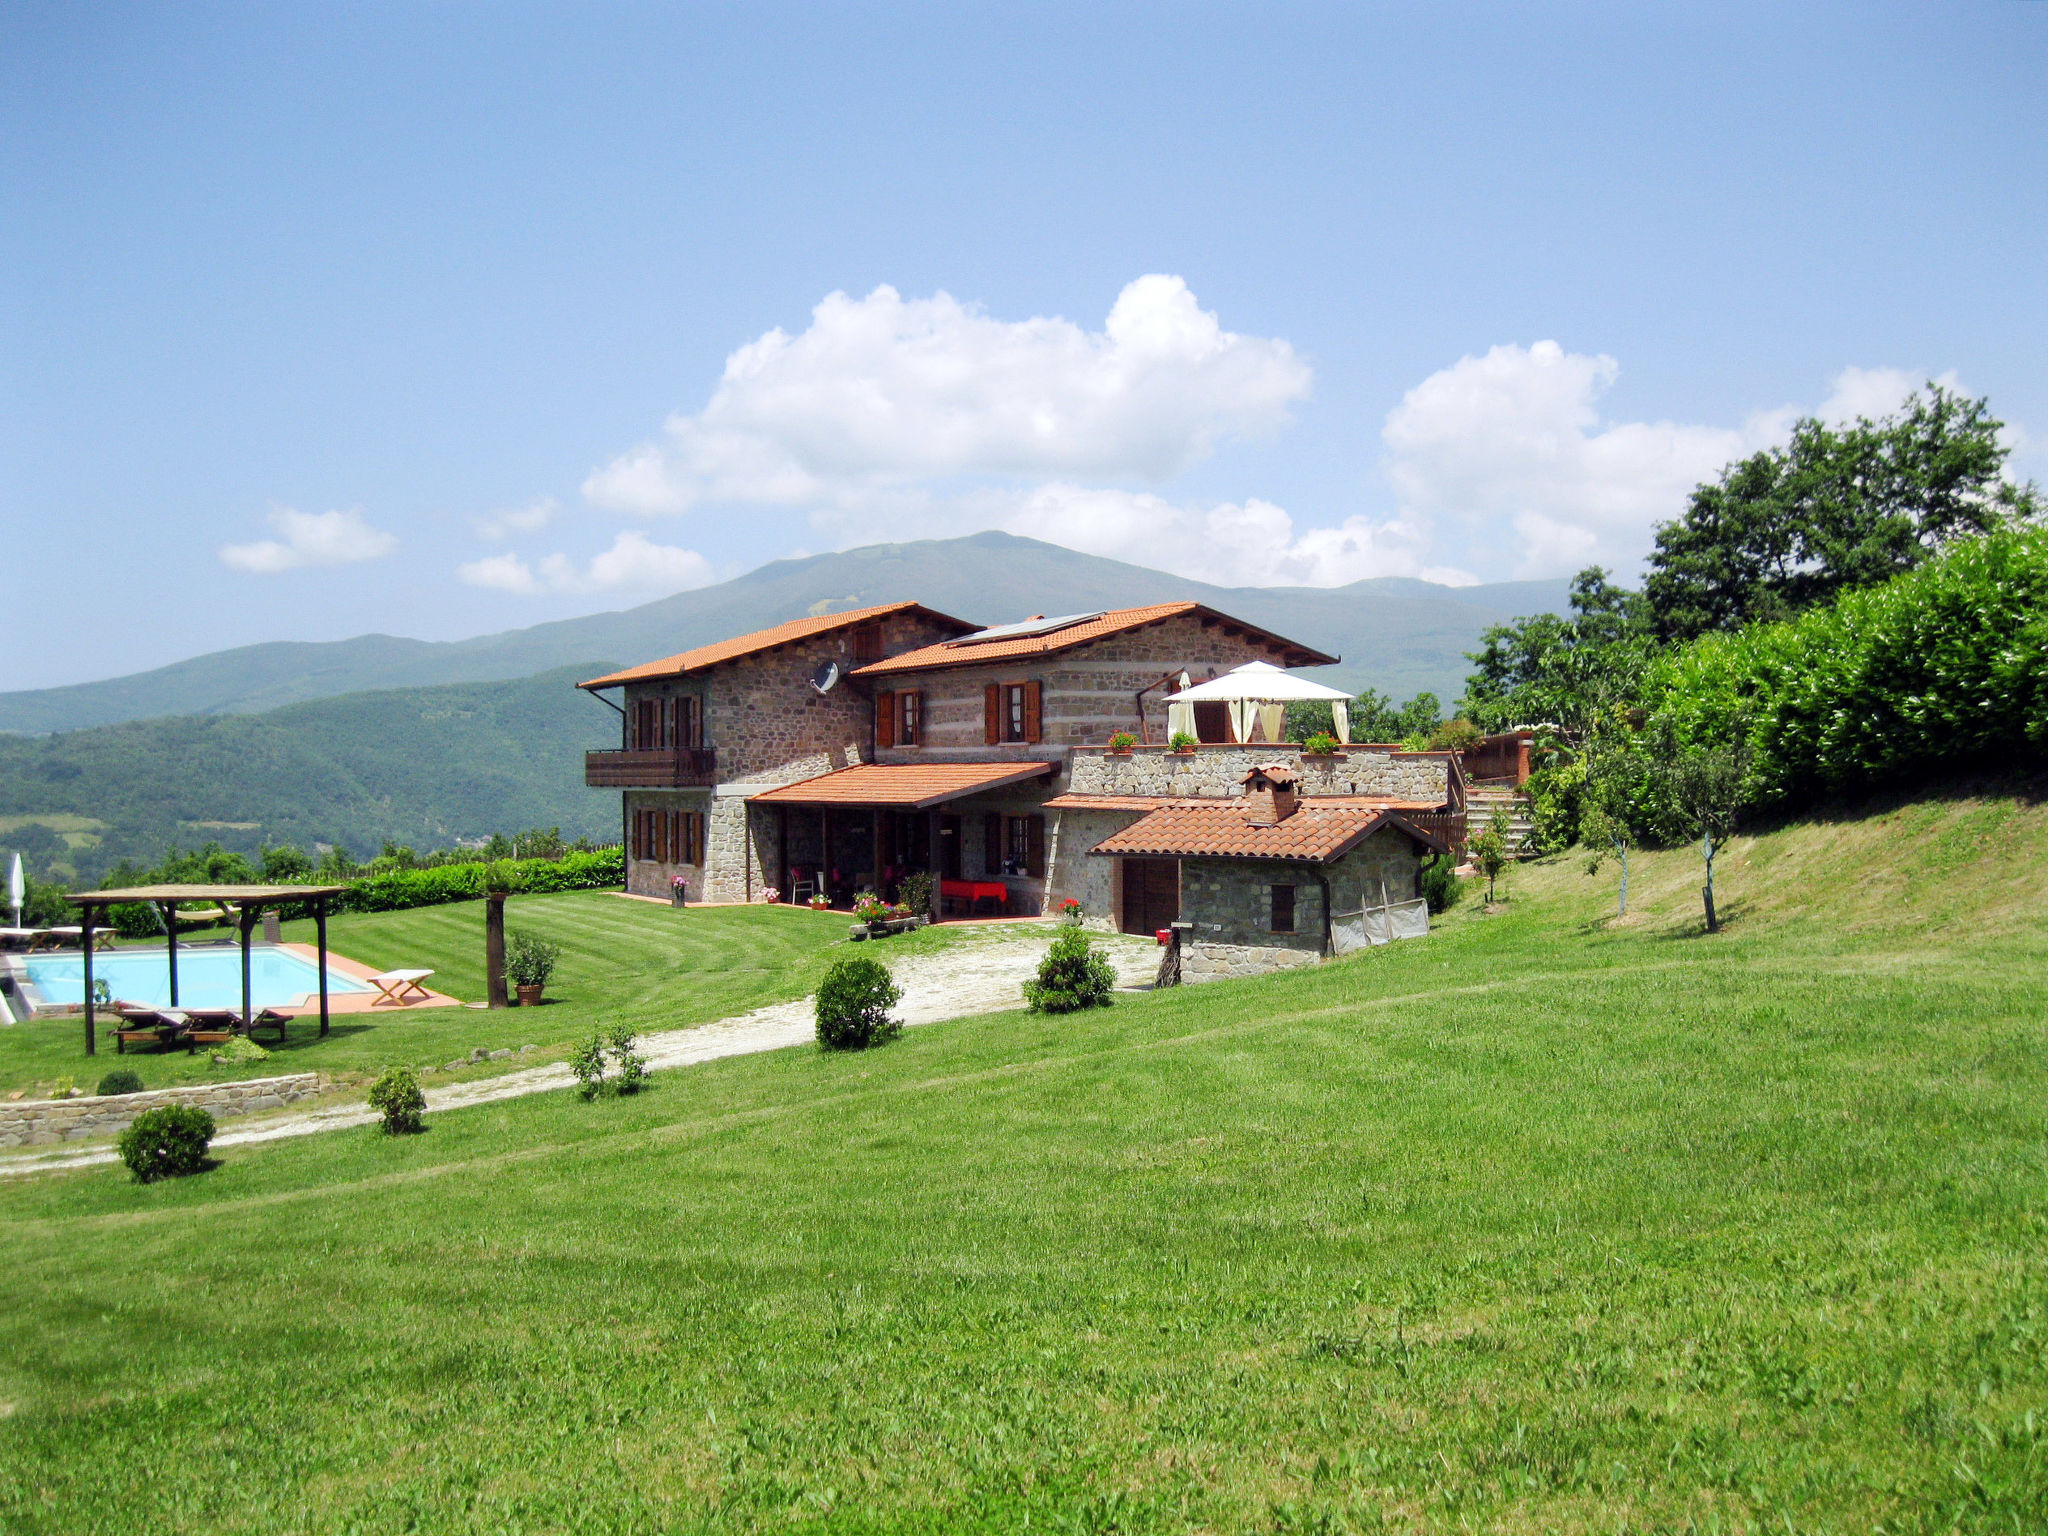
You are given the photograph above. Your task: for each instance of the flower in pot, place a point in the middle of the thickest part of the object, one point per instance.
(679, 890)
(1122, 741)
(871, 909)
(529, 962)
(1321, 744)
(1070, 911)
(1182, 742)
(820, 902)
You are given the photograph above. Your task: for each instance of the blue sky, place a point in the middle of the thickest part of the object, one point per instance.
(418, 319)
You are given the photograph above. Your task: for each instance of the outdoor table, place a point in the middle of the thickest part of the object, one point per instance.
(29, 939)
(974, 891)
(399, 987)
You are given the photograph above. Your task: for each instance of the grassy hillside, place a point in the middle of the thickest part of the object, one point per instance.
(1543, 1223)
(421, 765)
(1397, 635)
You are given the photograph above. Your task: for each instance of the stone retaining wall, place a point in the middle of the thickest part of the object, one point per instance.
(40, 1122)
(1221, 962)
(1219, 771)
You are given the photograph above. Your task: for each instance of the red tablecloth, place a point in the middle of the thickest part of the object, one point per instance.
(972, 891)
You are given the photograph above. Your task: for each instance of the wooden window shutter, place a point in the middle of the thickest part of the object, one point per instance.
(700, 826)
(885, 719)
(1035, 859)
(1034, 712)
(992, 843)
(677, 830)
(992, 713)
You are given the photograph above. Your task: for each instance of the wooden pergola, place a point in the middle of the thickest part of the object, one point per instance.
(249, 902)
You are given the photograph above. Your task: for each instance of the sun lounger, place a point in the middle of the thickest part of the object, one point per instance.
(399, 987)
(102, 938)
(165, 1026)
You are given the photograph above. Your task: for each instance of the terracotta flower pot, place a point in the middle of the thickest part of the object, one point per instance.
(529, 995)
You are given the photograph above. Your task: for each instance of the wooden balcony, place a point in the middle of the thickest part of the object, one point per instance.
(667, 768)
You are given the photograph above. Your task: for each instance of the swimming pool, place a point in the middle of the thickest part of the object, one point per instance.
(207, 978)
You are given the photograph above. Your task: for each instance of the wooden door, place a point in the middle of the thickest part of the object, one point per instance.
(949, 847)
(1151, 894)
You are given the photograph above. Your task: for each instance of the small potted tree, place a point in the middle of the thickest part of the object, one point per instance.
(529, 964)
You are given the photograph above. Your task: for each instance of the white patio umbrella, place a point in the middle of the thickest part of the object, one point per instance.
(1260, 690)
(15, 888)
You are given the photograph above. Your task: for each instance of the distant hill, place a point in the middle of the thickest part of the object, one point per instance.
(422, 766)
(1395, 634)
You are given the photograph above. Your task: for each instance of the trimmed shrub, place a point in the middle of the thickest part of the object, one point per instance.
(530, 961)
(120, 1080)
(1073, 975)
(853, 1004)
(166, 1143)
(240, 1049)
(397, 1097)
(404, 888)
(1441, 887)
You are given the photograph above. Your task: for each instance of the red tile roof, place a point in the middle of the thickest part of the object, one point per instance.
(1077, 800)
(761, 640)
(1099, 627)
(912, 786)
(1317, 833)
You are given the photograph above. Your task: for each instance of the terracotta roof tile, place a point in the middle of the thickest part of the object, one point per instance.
(911, 785)
(1314, 834)
(1100, 627)
(760, 640)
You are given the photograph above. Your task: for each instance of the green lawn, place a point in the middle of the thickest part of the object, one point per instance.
(1542, 1223)
(650, 965)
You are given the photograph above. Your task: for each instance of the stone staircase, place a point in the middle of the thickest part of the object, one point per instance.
(1480, 803)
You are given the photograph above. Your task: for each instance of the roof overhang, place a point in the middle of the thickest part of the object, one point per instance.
(902, 786)
(267, 894)
(1223, 831)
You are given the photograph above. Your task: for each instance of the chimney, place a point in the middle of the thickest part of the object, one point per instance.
(1269, 795)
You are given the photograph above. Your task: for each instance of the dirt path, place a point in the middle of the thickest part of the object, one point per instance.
(980, 974)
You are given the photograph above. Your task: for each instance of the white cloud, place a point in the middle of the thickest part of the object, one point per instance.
(632, 561)
(1235, 544)
(1874, 392)
(883, 392)
(310, 538)
(506, 521)
(1510, 449)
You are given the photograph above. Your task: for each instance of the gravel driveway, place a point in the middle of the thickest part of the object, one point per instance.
(980, 973)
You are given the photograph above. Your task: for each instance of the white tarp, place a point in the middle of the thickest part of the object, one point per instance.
(1353, 931)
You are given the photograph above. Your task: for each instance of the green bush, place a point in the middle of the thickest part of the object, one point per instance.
(1072, 976)
(587, 1062)
(1441, 887)
(915, 892)
(1183, 742)
(120, 1080)
(166, 1143)
(616, 1045)
(626, 1057)
(1320, 744)
(530, 961)
(401, 889)
(239, 1049)
(1555, 796)
(397, 1097)
(853, 1004)
(1940, 668)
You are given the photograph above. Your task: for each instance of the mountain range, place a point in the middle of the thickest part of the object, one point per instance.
(380, 738)
(1395, 634)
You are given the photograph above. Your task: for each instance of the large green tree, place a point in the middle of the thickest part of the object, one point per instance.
(1566, 673)
(1835, 508)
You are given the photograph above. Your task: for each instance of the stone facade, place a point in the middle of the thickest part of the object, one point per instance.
(1219, 772)
(1089, 693)
(43, 1122)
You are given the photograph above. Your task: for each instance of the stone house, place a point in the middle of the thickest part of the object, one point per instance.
(840, 753)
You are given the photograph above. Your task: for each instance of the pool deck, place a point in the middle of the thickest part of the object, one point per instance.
(338, 1003)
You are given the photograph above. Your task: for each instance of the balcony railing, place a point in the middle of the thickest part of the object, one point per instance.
(665, 768)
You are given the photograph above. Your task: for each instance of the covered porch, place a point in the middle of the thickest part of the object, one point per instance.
(868, 827)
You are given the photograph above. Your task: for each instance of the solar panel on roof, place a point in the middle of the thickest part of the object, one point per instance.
(1023, 629)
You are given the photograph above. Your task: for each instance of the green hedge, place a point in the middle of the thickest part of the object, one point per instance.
(465, 882)
(1945, 666)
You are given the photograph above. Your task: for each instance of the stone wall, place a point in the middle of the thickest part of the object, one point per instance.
(41, 1122)
(1089, 692)
(1230, 902)
(1071, 872)
(1223, 962)
(651, 877)
(1219, 772)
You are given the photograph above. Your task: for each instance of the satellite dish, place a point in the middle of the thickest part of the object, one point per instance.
(826, 678)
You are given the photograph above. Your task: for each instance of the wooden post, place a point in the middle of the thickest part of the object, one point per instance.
(494, 948)
(248, 927)
(825, 852)
(782, 851)
(320, 944)
(85, 944)
(169, 909)
(931, 818)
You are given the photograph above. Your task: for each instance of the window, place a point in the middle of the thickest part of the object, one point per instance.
(1013, 712)
(867, 643)
(1283, 909)
(909, 721)
(669, 837)
(1024, 846)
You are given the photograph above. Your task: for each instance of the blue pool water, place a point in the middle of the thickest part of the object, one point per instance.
(207, 978)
